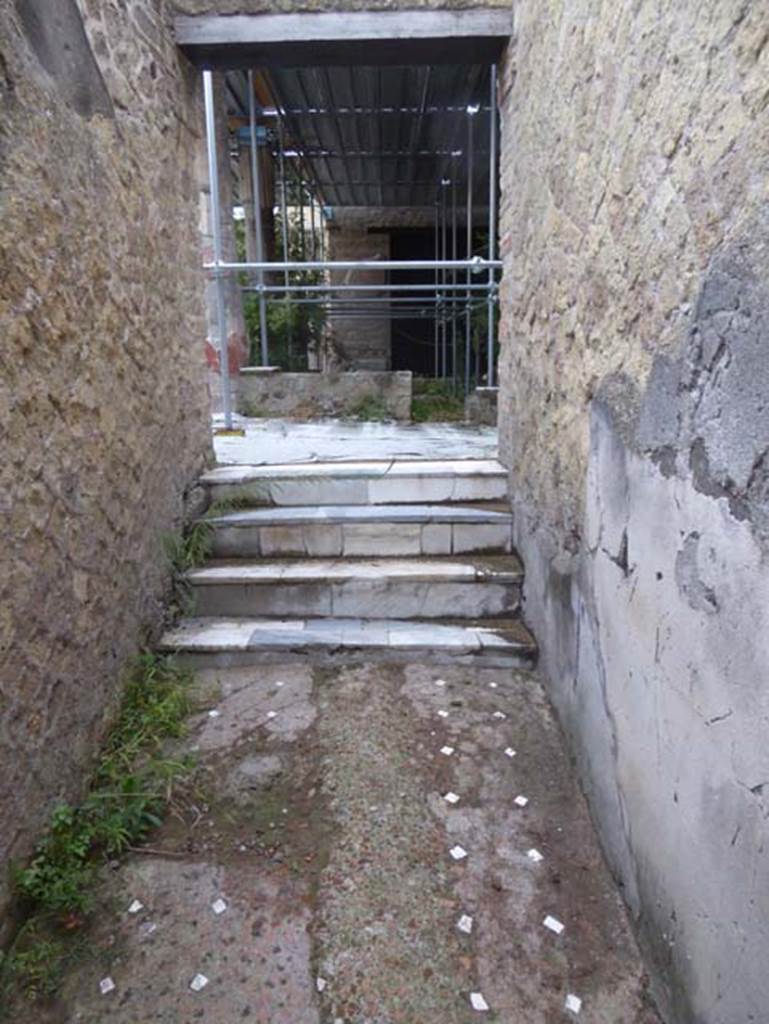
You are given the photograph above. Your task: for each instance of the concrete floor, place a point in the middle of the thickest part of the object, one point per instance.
(320, 819)
(278, 441)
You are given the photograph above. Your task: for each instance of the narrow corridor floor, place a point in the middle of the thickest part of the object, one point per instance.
(373, 844)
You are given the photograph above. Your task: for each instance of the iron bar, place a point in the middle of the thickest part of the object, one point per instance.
(385, 154)
(492, 223)
(469, 246)
(216, 226)
(412, 300)
(454, 273)
(300, 186)
(436, 331)
(256, 204)
(475, 264)
(444, 272)
(284, 234)
(313, 252)
(385, 286)
(366, 111)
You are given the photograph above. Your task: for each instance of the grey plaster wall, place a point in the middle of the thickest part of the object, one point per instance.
(634, 417)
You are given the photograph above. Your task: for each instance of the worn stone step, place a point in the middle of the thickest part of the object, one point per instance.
(356, 530)
(215, 642)
(365, 588)
(360, 483)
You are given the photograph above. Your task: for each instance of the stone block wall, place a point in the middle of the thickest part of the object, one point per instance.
(311, 395)
(634, 389)
(481, 406)
(103, 401)
(359, 342)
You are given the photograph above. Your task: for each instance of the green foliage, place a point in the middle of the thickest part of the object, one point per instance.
(291, 328)
(38, 962)
(130, 788)
(369, 408)
(185, 550)
(434, 401)
(189, 548)
(234, 501)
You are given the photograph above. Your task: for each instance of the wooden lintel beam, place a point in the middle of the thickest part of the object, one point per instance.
(315, 38)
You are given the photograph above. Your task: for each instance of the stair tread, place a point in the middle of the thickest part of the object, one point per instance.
(370, 470)
(446, 568)
(244, 634)
(291, 515)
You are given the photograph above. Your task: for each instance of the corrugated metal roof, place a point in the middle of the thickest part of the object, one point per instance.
(386, 136)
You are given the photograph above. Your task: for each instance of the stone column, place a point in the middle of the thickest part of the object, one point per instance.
(362, 343)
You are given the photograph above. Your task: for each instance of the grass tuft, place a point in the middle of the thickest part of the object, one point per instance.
(130, 788)
(370, 408)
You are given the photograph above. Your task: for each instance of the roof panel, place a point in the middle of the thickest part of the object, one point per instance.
(384, 136)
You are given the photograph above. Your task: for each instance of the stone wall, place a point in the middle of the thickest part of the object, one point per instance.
(634, 389)
(481, 406)
(311, 395)
(357, 342)
(103, 403)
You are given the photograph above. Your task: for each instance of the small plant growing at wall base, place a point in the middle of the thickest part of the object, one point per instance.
(131, 787)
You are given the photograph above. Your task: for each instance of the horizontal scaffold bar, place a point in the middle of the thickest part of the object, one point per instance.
(476, 264)
(385, 287)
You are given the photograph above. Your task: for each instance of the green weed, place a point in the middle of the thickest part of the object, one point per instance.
(371, 409)
(130, 788)
(437, 409)
(39, 961)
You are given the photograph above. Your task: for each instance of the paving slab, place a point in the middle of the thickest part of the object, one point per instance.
(209, 642)
(319, 818)
(276, 440)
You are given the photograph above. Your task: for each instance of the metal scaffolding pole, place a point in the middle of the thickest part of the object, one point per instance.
(216, 226)
(436, 328)
(301, 212)
(444, 272)
(313, 252)
(469, 245)
(256, 203)
(384, 286)
(476, 264)
(454, 273)
(492, 223)
(284, 233)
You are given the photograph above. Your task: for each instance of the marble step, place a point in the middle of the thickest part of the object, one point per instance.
(375, 588)
(213, 643)
(360, 483)
(362, 530)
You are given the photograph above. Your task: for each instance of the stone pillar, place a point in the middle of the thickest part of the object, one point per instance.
(360, 343)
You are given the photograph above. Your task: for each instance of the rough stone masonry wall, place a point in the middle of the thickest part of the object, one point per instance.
(360, 342)
(311, 395)
(634, 417)
(103, 403)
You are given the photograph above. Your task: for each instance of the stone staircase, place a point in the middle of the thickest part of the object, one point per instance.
(399, 559)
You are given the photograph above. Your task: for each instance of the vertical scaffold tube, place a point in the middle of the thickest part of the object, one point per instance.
(256, 200)
(492, 222)
(216, 228)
